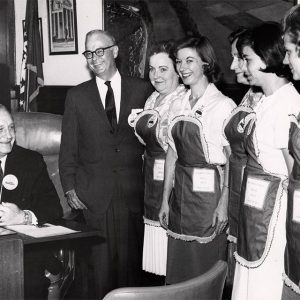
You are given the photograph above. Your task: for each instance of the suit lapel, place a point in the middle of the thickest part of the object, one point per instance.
(125, 106)
(12, 166)
(95, 96)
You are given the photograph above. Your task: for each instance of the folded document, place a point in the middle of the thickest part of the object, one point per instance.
(41, 231)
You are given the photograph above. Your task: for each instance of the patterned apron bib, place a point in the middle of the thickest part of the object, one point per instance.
(260, 205)
(234, 132)
(197, 183)
(292, 251)
(147, 129)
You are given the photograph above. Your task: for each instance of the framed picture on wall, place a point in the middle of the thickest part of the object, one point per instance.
(62, 27)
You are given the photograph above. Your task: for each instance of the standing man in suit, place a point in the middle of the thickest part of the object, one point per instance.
(27, 196)
(101, 163)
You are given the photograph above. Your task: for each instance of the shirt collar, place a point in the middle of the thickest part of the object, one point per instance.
(3, 162)
(116, 78)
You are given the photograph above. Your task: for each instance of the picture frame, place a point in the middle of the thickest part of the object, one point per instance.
(62, 27)
(41, 35)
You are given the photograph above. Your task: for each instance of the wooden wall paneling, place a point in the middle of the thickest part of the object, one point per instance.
(12, 269)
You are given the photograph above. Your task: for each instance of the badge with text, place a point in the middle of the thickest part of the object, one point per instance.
(10, 182)
(159, 169)
(204, 180)
(296, 206)
(256, 192)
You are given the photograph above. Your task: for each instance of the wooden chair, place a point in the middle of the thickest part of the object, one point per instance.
(208, 286)
(42, 132)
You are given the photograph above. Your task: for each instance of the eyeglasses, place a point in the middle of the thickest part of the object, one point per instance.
(99, 52)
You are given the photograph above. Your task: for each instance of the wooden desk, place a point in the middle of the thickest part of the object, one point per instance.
(11, 256)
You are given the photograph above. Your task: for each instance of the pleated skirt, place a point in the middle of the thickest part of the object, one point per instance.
(264, 282)
(155, 249)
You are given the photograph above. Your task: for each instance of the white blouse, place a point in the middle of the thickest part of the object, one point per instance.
(215, 108)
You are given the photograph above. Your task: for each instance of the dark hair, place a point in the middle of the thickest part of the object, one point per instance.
(206, 52)
(267, 43)
(164, 47)
(236, 34)
(291, 24)
(245, 39)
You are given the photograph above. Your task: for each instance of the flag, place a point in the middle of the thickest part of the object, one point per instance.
(32, 77)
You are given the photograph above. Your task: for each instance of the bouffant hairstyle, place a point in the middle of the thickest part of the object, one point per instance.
(291, 24)
(236, 34)
(267, 43)
(164, 47)
(245, 39)
(206, 52)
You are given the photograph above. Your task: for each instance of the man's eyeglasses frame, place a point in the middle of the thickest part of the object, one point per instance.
(99, 52)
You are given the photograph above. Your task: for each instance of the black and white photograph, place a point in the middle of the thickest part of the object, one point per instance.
(150, 149)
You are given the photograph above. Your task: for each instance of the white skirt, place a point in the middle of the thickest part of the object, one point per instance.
(264, 282)
(155, 248)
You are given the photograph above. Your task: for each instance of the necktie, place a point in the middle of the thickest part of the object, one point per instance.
(110, 107)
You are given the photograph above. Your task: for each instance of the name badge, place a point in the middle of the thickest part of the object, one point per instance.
(296, 206)
(256, 191)
(159, 170)
(10, 182)
(204, 180)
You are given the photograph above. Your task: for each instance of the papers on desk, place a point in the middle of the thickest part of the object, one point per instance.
(4, 231)
(42, 231)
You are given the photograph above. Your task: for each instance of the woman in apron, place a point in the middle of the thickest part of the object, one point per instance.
(150, 127)
(197, 164)
(234, 133)
(291, 289)
(261, 226)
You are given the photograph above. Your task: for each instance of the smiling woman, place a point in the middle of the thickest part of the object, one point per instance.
(196, 164)
(263, 201)
(151, 129)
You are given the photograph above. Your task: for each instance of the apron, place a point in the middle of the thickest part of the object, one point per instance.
(234, 132)
(147, 129)
(260, 205)
(197, 183)
(292, 251)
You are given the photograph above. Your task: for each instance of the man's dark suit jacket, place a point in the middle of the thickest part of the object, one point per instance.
(92, 157)
(35, 190)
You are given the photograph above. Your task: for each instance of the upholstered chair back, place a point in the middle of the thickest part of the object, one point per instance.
(41, 132)
(206, 286)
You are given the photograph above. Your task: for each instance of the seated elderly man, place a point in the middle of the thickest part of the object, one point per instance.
(28, 196)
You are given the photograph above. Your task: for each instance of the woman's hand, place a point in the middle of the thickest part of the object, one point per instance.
(220, 216)
(164, 215)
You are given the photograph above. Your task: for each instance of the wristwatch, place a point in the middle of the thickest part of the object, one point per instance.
(27, 217)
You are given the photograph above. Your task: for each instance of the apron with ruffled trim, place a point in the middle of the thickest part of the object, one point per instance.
(197, 183)
(261, 195)
(147, 129)
(292, 251)
(234, 132)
